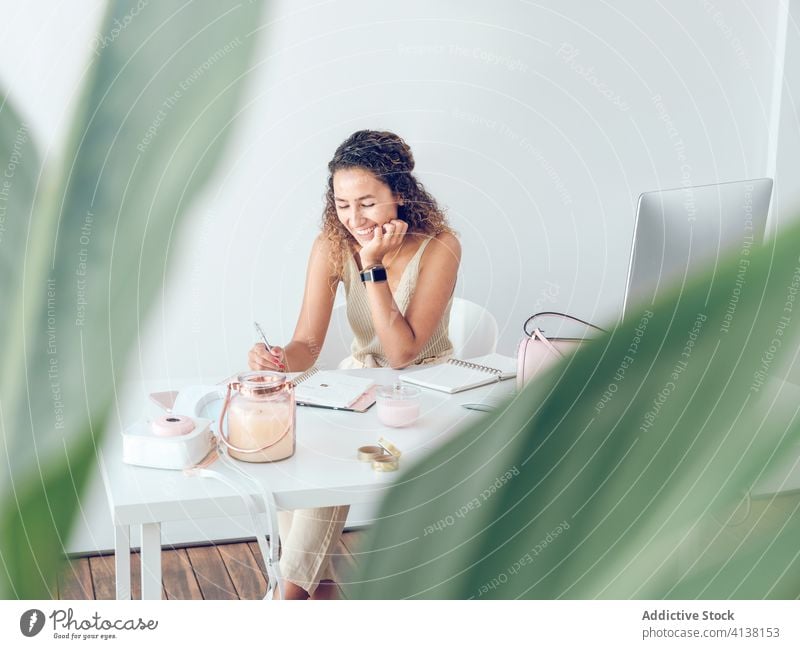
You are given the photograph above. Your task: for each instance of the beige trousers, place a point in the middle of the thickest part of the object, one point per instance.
(308, 536)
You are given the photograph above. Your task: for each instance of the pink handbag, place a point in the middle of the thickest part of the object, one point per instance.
(536, 352)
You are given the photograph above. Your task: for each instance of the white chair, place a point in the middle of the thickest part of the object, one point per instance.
(473, 330)
(337, 341)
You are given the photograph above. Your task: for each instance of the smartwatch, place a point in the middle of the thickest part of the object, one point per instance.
(374, 274)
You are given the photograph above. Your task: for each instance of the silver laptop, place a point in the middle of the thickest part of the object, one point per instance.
(679, 231)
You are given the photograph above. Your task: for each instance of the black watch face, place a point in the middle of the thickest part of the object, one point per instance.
(377, 274)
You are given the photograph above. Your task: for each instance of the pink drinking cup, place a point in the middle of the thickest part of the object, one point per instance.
(398, 405)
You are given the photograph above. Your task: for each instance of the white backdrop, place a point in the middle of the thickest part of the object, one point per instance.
(509, 116)
(536, 124)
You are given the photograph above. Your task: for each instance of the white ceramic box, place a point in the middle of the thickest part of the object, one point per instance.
(140, 446)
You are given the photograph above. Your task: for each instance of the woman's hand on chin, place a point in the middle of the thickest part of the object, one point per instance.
(386, 240)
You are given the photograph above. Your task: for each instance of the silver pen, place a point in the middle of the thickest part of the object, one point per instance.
(260, 332)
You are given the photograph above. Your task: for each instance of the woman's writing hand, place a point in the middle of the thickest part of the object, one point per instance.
(260, 358)
(387, 239)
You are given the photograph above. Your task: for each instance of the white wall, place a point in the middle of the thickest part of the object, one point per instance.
(787, 188)
(537, 125)
(539, 170)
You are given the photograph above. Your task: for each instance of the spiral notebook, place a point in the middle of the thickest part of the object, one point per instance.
(334, 390)
(458, 375)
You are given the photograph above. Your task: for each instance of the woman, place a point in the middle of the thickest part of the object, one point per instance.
(386, 239)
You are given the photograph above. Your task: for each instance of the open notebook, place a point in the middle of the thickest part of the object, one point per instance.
(331, 389)
(459, 375)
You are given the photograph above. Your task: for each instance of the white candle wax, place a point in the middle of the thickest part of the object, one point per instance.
(253, 424)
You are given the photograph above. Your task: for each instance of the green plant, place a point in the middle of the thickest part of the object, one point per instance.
(85, 245)
(626, 471)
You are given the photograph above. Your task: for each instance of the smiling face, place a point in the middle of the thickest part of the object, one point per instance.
(362, 202)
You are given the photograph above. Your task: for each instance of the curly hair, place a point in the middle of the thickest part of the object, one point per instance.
(389, 158)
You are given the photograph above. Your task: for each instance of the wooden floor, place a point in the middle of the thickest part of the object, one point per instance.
(228, 571)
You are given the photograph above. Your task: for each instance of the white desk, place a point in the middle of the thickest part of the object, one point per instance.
(324, 471)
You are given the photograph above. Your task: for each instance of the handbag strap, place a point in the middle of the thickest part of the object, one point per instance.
(556, 313)
(538, 335)
(264, 527)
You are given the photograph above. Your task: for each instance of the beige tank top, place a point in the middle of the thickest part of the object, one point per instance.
(366, 349)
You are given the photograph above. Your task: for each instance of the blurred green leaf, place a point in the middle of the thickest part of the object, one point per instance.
(752, 554)
(159, 104)
(20, 165)
(597, 479)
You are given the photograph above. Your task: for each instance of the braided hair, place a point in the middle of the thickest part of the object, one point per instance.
(389, 158)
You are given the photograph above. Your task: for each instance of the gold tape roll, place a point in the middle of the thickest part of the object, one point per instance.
(390, 448)
(385, 463)
(368, 453)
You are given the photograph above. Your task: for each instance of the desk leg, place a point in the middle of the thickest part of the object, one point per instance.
(122, 560)
(151, 561)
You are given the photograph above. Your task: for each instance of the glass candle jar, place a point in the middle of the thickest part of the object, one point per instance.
(398, 405)
(261, 417)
